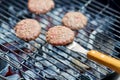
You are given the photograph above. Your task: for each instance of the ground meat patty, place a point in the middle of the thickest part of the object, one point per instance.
(40, 6)
(74, 20)
(27, 29)
(59, 36)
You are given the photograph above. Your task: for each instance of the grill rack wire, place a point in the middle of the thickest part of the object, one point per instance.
(90, 5)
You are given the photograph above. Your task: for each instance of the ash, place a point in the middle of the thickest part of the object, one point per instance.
(55, 62)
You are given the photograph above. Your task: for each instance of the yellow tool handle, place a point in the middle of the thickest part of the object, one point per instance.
(105, 60)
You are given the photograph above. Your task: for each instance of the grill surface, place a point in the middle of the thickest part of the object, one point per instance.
(102, 27)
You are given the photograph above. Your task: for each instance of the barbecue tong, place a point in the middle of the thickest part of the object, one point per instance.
(96, 56)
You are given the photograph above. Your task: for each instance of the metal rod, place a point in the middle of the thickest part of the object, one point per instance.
(110, 43)
(24, 17)
(93, 14)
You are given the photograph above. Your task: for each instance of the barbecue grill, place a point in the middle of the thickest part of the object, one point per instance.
(38, 60)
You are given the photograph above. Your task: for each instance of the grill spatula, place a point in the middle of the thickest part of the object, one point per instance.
(96, 56)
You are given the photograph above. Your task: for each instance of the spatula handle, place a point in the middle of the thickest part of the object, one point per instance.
(105, 60)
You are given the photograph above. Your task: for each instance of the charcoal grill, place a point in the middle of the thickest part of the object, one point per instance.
(38, 60)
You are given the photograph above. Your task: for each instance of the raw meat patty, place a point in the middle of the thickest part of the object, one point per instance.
(74, 20)
(40, 6)
(27, 29)
(59, 36)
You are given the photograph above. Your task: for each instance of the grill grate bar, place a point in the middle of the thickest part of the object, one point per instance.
(44, 29)
(92, 4)
(27, 61)
(30, 56)
(110, 43)
(33, 46)
(79, 59)
(14, 67)
(99, 37)
(79, 66)
(89, 27)
(20, 49)
(81, 53)
(18, 62)
(42, 33)
(105, 46)
(104, 15)
(106, 20)
(74, 57)
(105, 35)
(96, 2)
(20, 57)
(106, 11)
(97, 5)
(93, 14)
(97, 41)
(38, 55)
(32, 63)
(48, 60)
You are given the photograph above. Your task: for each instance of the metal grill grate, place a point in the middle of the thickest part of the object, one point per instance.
(28, 53)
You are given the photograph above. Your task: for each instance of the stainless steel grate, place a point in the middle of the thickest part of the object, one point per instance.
(38, 60)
